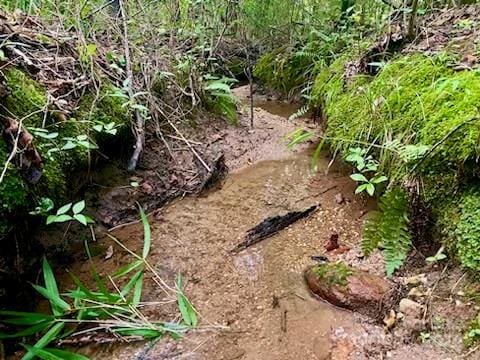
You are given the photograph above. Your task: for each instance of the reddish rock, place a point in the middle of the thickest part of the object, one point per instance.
(348, 288)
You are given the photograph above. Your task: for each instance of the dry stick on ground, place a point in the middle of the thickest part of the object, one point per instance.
(139, 121)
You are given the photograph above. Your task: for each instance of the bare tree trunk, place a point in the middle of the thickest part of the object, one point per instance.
(412, 22)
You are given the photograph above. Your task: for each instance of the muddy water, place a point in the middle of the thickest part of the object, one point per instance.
(256, 300)
(279, 108)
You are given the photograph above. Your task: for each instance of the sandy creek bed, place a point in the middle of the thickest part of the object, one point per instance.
(255, 305)
(194, 236)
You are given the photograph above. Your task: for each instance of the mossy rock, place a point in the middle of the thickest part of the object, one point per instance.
(26, 99)
(348, 287)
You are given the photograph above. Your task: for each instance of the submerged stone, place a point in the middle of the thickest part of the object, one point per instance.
(348, 287)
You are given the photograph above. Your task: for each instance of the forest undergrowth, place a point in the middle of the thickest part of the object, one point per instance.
(393, 83)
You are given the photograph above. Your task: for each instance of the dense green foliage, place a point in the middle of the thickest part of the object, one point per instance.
(388, 228)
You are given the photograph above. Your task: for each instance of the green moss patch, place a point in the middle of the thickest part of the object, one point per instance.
(333, 273)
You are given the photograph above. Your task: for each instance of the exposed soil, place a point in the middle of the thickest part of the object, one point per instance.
(254, 304)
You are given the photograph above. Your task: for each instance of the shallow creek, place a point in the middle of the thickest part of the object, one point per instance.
(252, 305)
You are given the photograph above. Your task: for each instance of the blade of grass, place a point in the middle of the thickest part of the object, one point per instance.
(59, 306)
(146, 233)
(124, 270)
(24, 318)
(137, 292)
(131, 283)
(27, 332)
(54, 354)
(189, 314)
(46, 339)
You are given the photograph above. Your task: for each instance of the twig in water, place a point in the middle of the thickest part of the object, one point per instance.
(272, 226)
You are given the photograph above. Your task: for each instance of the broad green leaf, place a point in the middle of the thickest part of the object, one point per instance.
(379, 179)
(358, 178)
(60, 218)
(46, 339)
(64, 209)
(81, 219)
(361, 188)
(370, 189)
(78, 207)
(69, 145)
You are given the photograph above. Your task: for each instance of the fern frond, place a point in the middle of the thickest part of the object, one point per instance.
(300, 113)
(389, 229)
(371, 239)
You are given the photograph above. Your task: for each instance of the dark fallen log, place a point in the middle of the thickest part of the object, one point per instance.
(272, 226)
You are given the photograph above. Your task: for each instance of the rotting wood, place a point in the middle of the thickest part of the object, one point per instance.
(272, 226)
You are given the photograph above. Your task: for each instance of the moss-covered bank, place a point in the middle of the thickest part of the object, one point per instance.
(27, 100)
(415, 100)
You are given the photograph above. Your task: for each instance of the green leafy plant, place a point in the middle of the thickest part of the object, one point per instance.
(220, 97)
(76, 214)
(82, 310)
(300, 113)
(439, 256)
(388, 229)
(45, 205)
(43, 133)
(425, 336)
(366, 165)
(81, 141)
(110, 128)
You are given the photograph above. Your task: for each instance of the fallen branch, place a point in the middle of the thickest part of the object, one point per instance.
(272, 226)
